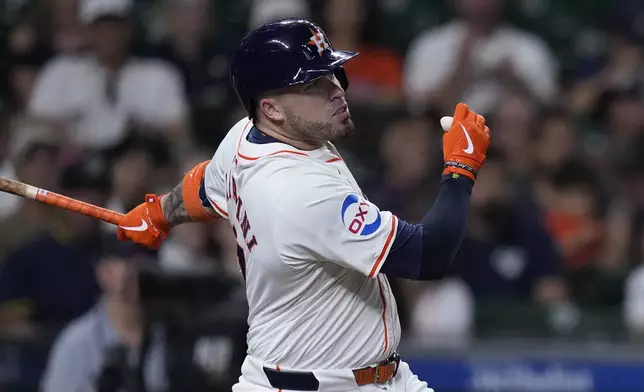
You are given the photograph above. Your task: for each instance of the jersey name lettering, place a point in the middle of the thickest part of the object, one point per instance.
(244, 223)
(240, 215)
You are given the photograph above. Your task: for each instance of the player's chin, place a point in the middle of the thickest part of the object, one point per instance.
(345, 128)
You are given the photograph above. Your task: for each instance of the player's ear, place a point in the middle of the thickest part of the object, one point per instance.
(272, 109)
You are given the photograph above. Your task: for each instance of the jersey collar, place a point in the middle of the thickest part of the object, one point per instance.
(255, 144)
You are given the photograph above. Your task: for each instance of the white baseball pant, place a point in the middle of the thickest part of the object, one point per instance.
(254, 379)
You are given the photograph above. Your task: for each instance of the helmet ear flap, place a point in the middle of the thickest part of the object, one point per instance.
(342, 77)
(251, 108)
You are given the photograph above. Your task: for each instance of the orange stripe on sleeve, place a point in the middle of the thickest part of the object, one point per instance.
(218, 208)
(190, 192)
(278, 369)
(271, 154)
(385, 247)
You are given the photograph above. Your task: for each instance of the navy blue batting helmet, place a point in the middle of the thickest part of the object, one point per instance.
(284, 53)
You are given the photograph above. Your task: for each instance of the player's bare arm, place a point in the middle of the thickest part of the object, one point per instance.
(150, 222)
(174, 208)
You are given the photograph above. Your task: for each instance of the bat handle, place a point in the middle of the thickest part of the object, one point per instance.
(74, 205)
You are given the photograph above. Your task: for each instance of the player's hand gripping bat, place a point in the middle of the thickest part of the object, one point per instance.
(58, 200)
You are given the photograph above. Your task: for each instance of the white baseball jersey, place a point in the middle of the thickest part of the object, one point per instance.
(310, 246)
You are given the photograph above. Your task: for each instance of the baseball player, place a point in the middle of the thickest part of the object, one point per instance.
(314, 252)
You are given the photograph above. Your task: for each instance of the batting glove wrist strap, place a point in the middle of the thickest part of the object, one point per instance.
(451, 166)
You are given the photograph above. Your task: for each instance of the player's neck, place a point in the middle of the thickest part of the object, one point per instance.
(288, 137)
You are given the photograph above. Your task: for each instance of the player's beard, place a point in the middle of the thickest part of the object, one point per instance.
(317, 132)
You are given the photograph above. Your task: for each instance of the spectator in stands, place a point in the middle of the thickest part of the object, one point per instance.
(555, 143)
(52, 275)
(473, 57)
(513, 120)
(590, 222)
(8, 203)
(633, 306)
(105, 348)
(105, 92)
(407, 151)
(376, 75)
(618, 145)
(628, 186)
(24, 67)
(555, 140)
(621, 128)
(33, 157)
(576, 218)
(573, 215)
(135, 166)
(262, 11)
(617, 66)
(200, 52)
(507, 252)
(42, 29)
(49, 27)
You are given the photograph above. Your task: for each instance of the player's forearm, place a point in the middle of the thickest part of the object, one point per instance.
(174, 207)
(188, 201)
(424, 251)
(444, 226)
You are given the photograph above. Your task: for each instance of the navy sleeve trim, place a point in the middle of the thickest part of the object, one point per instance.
(202, 195)
(424, 251)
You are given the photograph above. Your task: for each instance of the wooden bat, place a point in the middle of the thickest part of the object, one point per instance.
(60, 201)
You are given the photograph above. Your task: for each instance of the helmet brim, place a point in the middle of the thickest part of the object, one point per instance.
(327, 64)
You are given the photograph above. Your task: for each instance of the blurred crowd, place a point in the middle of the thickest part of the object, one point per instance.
(105, 100)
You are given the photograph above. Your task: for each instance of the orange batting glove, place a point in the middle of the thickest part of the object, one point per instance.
(465, 142)
(145, 224)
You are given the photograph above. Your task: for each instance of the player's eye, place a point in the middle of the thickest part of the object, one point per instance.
(312, 86)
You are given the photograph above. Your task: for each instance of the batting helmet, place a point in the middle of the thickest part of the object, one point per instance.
(284, 53)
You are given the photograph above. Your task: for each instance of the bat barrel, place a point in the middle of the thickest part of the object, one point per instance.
(78, 206)
(31, 192)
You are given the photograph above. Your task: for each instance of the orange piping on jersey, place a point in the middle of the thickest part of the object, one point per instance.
(277, 367)
(384, 314)
(385, 247)
(217, 208)
(243, 134)
(271, 154)
(190, 193)
(239, 154)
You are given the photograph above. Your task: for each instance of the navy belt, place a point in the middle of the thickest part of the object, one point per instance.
(306, 381)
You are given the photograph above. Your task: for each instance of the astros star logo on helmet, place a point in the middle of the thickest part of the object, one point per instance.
(319, 41)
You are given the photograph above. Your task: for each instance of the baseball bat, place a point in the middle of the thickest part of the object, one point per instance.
(54, 199)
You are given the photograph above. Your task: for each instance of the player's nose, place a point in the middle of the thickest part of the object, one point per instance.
(337, 92)
(335, 87)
